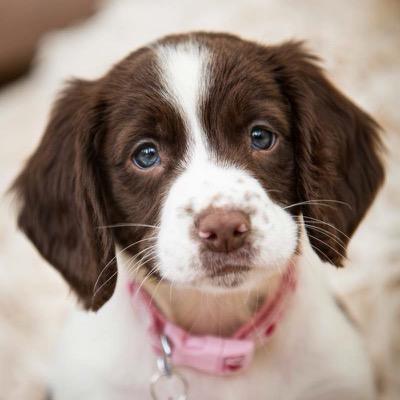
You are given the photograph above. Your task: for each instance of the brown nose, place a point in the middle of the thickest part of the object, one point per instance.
(223, 231)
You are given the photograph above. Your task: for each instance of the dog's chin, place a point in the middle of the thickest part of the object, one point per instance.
(222, 277)
(230, 278)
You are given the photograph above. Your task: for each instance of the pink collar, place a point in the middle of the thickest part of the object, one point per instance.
(213, 354)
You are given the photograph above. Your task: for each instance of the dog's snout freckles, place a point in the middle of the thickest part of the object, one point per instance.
(223, 230)
(230, 231)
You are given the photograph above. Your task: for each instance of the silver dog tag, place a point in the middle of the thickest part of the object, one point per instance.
(167, 384)
(168, 387)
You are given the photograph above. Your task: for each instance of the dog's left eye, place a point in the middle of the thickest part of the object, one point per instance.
(146, 156)
(262, 138)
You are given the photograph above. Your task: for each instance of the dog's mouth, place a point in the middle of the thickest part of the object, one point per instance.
(226, 276)
(228, 270)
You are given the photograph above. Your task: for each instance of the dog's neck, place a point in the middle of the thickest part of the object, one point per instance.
(214, 313)
(207, 312)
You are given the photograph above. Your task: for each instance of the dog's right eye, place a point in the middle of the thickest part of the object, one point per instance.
(146, 156)
(262, 138)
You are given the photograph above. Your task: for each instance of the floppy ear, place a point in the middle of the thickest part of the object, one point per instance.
(62, 204)
(337, 148)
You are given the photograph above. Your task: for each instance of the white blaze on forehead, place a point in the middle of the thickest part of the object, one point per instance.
(185, 79)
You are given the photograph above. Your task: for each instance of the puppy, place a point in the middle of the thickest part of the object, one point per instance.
(191, 197)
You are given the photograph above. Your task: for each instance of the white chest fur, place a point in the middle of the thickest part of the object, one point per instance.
(314, 354)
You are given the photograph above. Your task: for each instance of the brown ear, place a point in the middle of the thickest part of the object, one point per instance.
(62, 204)
(337, 149)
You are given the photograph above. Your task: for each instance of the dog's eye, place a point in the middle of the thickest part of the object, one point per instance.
(146, 156)
(262, 138)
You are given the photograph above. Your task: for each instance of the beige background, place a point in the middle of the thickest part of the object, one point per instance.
(359, 41)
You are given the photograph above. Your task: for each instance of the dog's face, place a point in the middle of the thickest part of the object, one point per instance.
(205, 149)
(208, 159)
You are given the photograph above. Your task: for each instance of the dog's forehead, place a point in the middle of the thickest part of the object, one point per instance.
(219, 81)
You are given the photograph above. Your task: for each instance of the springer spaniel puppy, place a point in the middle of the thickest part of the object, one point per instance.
(191, 197)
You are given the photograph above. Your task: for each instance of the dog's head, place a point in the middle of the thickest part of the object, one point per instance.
(197, 155)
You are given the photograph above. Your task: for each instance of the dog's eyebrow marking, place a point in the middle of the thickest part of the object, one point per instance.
(184, 75)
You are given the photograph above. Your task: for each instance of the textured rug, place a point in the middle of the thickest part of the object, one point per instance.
(359, 41)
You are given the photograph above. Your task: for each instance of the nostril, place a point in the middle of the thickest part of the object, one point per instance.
(213, 236)
(207, 235)
(240, 230)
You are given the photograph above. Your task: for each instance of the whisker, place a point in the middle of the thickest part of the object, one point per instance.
(137, 264)
(118, 253)
(154, 269)
(323, 254)
(326, 223)
(318, 202)
(128, 224)
(150, 247)
(328, 234)
(147, 258)
(327, 245)
(104, 283)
